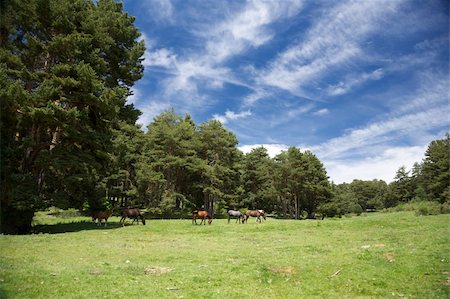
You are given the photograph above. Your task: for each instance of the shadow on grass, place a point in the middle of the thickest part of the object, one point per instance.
(72, 227)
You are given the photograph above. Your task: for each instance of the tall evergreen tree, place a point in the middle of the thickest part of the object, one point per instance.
(436, 170)
(169, 156)
(402, 188)
(217, 150)
(302, 182)
(257, 180)
(66, 69)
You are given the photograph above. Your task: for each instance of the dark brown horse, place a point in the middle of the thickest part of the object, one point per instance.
(101, 215)
(255, 213)
(200, 214)
(134, 213)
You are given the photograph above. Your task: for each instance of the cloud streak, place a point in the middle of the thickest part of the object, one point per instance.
(231, 116)
(334, 40)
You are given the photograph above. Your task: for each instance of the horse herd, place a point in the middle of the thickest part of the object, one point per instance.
(136, 215)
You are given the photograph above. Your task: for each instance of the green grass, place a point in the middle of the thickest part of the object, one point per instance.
(388, 255)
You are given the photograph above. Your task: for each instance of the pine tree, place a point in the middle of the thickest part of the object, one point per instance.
(436, 170)
(66, 69)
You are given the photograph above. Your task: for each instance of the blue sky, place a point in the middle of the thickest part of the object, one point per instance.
(363, 84)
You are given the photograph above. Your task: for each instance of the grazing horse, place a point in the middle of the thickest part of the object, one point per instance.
(101, 215)
(255, 213)
(201, 215)
(134, 213)
(239, 216)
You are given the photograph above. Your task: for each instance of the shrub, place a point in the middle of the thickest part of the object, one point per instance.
(445, 208)
(428, 208)
(422, 208)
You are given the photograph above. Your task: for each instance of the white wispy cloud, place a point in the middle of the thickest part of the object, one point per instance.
(159, 10)
(255, 96)
(187, 75)
(231, 116)
(150, 109)
(433, 92)
(411, 120)
(321, 112)
(247, 28)
(353, 80)
(161, 57)
(333, 41)
(382, 132)
(383, 166)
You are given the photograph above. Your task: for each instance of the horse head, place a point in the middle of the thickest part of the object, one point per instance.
(263, 214)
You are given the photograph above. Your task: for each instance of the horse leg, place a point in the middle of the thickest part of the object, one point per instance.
(122, 220)
(229, 219)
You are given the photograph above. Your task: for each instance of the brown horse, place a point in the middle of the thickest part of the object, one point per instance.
(134, 213)
(255, 213)
(101, 215)
(201, 215)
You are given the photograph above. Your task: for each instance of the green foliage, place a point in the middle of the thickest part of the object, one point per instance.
(66, 69)
(301, 183)
(423, 208)
(257, 180)
(343, 202)
(184, 166)
(429, 180)
(435, 174)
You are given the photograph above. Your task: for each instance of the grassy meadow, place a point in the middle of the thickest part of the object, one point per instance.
(379, 255)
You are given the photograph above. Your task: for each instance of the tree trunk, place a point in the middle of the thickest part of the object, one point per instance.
(297, 214)
(14, 221)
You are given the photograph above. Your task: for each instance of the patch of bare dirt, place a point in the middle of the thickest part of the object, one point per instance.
(155, 270)
(283, 270)
(390, 257)
(446, 282)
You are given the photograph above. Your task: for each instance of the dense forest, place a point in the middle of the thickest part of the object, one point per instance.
(69, 138)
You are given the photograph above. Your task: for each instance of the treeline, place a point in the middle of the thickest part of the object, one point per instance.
(178, 166)
(428, 180)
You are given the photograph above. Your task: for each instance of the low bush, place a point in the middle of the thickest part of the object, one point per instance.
(422, 208)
